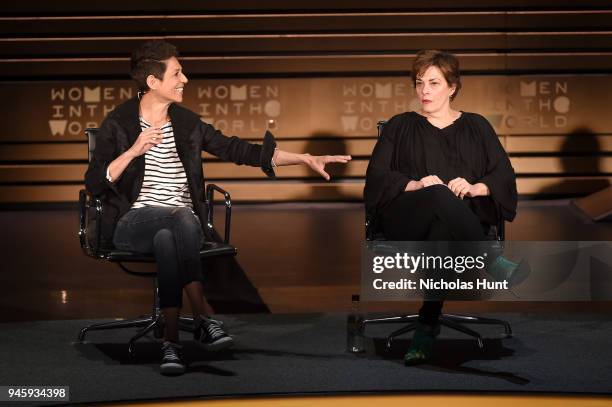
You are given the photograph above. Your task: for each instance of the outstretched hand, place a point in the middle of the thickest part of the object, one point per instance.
(318, 162)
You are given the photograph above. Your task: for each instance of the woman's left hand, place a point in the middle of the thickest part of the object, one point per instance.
(318, 162)
(462, 188)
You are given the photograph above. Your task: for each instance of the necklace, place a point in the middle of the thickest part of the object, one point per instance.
(155, 123)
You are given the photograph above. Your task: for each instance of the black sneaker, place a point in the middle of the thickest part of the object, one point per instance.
(172, 363)
(211, 336)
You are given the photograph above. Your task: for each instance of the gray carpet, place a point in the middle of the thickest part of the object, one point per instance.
(280, 354)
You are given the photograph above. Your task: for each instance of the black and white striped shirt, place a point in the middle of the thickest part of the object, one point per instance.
(165, 180)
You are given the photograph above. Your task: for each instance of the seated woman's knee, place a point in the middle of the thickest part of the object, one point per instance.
(185, 219)
(163, 238)
(441, 192)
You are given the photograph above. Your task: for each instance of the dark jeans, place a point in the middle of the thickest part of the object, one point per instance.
(431, 213)
(174, 236)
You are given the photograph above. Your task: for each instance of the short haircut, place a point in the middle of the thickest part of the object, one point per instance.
(446, 62)
(148, 59)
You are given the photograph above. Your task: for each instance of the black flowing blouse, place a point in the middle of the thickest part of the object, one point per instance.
(410, 148)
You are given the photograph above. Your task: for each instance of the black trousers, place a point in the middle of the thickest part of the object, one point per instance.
(431, 213)
(174, 235)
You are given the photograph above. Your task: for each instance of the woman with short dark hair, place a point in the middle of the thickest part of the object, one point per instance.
(438, 174)
(147, 167)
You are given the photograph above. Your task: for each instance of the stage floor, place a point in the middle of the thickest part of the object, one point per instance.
(301, 257)
(304, 354)
(303, 260)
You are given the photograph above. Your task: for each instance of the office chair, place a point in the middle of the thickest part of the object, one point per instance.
(453, 321)
(90, 217)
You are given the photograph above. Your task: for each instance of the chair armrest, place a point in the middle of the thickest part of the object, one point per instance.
(501, 230)
(369, 233)
(87, 201)
(372, 228)
(210, 190)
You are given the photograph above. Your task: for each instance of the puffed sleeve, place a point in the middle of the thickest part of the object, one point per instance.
(499, 174)
(383, 182)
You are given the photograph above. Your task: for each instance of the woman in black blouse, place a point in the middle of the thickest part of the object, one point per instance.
(438, 174)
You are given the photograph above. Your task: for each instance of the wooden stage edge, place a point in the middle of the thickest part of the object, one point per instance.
(463, 400)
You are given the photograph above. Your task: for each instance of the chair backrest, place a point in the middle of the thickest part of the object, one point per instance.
(372, 231)
(91, 133)
(496, 232)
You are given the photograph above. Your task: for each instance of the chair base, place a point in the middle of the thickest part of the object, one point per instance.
(452, 321)
(153, 322)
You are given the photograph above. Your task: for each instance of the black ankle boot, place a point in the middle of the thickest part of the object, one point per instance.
(421, 346)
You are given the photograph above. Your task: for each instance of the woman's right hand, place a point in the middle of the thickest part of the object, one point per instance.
(430, 180)
(423, 182)
(147, 139)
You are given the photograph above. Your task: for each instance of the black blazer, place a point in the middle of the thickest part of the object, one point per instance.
(119, 131)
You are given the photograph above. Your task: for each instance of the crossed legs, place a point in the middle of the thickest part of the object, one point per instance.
(431, 213)
(175, 236)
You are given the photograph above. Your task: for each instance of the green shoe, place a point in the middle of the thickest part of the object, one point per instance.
(415, 357)
(421, 346)
(503, 269)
